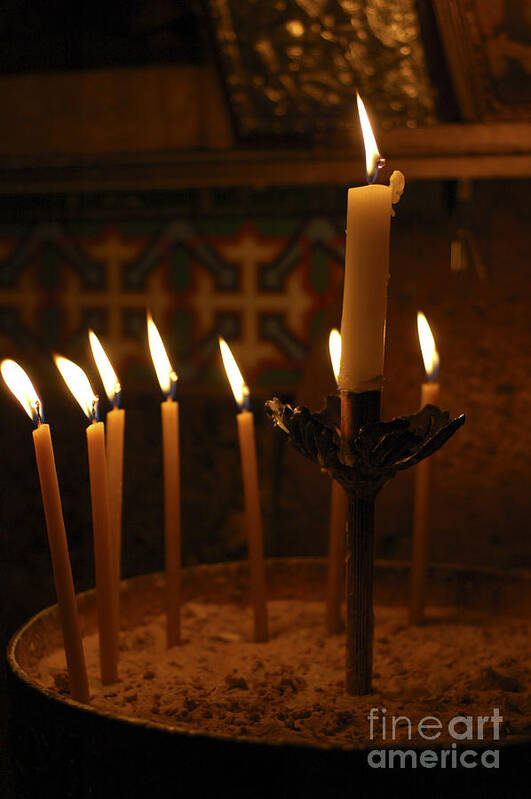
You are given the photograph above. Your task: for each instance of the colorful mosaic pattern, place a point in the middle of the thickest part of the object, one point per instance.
(264, 284)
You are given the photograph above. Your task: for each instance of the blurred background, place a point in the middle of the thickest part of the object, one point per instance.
(193, 157)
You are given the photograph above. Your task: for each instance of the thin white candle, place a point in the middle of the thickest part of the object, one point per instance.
(423, 473)
(114, 448)
(172, 482)
(106, 585)
(337, 523)
(19, 383)
(253, 515)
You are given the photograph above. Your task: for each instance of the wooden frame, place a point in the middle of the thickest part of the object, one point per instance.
(441, 152)
(478, 44)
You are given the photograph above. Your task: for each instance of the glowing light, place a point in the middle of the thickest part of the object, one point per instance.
(295, 27)
(373, 159)
(78, 383)
(237, 383)
(430, 356)
(165, 373)
(108, 376)
(23, 389)
(334, 346)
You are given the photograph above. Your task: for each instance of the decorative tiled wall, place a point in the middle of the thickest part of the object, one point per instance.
(262, 281)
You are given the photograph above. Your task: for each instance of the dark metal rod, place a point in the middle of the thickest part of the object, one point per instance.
(356, 411)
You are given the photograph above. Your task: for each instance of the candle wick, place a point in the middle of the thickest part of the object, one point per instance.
(172, 394)
(245, 403)
(117, 396)
(379, 164)
(38, 413)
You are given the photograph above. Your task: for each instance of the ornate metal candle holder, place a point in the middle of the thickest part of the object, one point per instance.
(363, 464)
(348, 441)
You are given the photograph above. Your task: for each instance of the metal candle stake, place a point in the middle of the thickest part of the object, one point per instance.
(349, 442)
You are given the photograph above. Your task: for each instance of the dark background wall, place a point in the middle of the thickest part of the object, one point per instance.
(479, 315)
(167, 155)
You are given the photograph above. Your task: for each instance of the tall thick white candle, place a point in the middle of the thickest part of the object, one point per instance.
(369, 210)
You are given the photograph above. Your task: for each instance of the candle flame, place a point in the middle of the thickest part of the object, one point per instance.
(430, 356)
(108, 376)
(334, 346)
(78, 383)
(23, 389)
(373, 159)
(237, 383)
(165, 373)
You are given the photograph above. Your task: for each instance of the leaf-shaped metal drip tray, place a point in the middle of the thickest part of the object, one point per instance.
(375, 453)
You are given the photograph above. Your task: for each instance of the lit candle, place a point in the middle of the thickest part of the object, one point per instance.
(338, 520)
(106, 586)
(419, 559)
(253, 516)
(114, 428)
(430, 388)
(172, 482)
(19, 383)
(369, 210)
